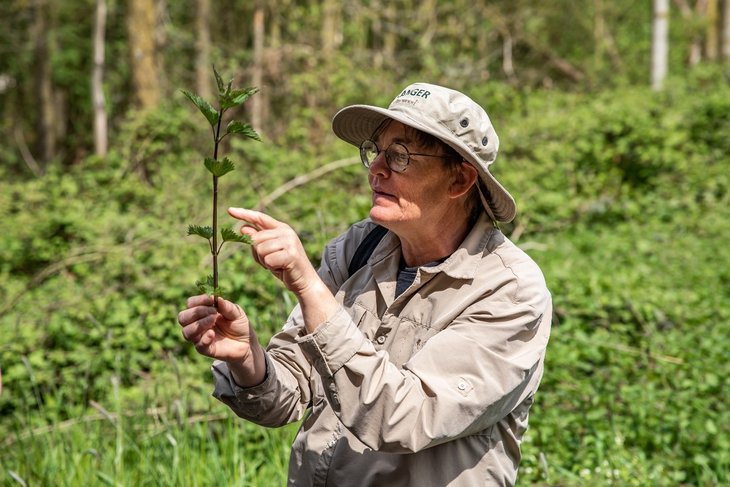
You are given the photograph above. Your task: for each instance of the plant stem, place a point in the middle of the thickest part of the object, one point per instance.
(214, 247)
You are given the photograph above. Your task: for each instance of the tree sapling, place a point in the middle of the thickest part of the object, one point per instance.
(228, 97)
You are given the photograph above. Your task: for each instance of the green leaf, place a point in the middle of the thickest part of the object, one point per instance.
(206, 286)
(205, 232)
(205, 108)
(242, 128)
(236, 97)
(218, 80)
(219, 167)
(230, 235)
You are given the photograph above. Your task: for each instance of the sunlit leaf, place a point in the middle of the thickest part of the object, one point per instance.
(230, 235)
(205, 108)
(244, 129)
(219, 167)
(236, 97)
(205, 232)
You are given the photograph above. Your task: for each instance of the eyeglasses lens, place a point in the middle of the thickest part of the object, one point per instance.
(397, 157)
(368, 152)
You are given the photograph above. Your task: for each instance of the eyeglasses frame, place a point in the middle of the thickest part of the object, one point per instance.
(367, 164)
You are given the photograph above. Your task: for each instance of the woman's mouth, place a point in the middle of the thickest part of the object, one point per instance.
(382, 194)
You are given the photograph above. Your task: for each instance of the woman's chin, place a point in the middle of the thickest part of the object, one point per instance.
(384, 216)
(380, 215)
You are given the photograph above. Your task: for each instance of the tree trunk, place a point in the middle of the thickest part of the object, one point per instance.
(659, 44)
(507, 66)
(377, 36)
(599, 34)
(202, 49)
(711, 38)
(141, 26)
(46, 123)
(329, 26)
(257, 76)
(725, 34)
(695, 49)
(482, 39)
(97, 89)
(390, 35)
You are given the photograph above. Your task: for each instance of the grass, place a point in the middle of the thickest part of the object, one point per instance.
(158, 447)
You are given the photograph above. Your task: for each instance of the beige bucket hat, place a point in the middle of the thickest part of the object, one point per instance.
(446, 114)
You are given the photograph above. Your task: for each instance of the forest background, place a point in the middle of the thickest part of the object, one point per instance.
(618, 157)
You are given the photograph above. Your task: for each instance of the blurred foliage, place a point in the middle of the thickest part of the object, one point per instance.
(305, 78)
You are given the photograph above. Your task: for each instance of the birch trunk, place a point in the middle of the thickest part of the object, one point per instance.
(257, 108)
(97, 89)
(659, 44)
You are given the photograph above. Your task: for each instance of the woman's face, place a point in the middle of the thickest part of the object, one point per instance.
(412, 198)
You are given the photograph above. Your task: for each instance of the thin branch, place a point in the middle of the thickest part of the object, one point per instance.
(77, 258)
(25, 152)
(110, 416)
(304, 179)
(299, 181)
(49, 271)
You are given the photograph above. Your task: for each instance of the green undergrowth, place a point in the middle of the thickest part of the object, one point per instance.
(623, 200)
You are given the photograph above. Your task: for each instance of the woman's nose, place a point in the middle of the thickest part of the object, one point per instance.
(379, 167)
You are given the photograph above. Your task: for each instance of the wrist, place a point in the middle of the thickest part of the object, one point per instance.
(251, 370)
(318, 304)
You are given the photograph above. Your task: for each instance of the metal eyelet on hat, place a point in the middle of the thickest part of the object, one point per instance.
(485, 141)
(464, 122)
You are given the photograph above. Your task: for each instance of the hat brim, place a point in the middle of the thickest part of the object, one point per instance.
(356, 123)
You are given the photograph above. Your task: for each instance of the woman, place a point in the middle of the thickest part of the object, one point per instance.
(419, 365)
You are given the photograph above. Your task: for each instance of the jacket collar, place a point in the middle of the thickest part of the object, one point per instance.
(462, 264)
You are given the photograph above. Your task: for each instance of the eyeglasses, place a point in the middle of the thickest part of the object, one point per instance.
(396, 155)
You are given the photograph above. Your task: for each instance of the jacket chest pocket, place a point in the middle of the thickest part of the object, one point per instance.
(402, 338)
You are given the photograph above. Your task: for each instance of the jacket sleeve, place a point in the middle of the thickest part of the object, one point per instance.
(464, 380)
(287, 390)
(282, 397)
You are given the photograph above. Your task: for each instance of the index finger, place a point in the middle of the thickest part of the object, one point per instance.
(256, 218)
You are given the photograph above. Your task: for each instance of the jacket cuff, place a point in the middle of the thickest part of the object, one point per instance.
(227, 391)
(332, 344)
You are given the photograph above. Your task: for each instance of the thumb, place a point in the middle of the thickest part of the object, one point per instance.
(229, 310)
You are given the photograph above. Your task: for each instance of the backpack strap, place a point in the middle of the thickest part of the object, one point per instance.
(366, 248)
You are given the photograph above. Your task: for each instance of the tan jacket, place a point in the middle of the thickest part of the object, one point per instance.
(432, 388)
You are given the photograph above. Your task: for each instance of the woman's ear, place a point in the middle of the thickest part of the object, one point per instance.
(463, 178)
